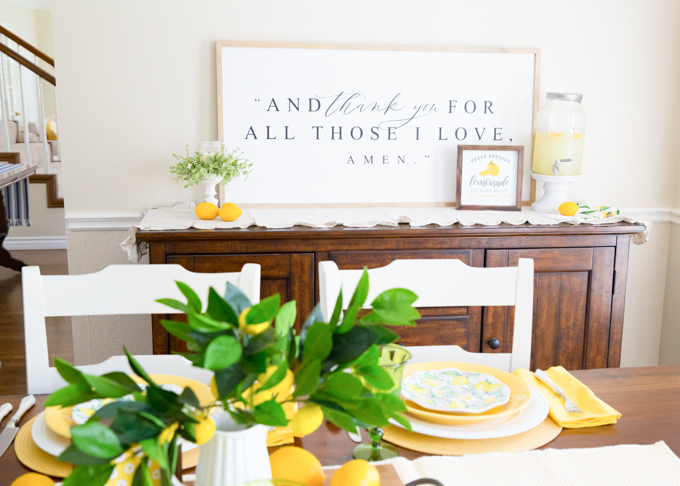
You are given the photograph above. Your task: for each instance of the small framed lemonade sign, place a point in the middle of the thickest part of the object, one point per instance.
(489, 177)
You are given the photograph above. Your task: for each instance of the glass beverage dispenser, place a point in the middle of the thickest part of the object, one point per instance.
(560, 135)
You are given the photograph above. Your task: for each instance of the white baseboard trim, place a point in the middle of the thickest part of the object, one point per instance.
(123, 221)
(35, 243)
(102, 222)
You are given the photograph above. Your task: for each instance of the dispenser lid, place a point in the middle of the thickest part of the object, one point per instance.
(564, 96)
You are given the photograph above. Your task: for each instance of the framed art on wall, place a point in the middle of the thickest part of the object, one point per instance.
(489, 177)
(328, 125)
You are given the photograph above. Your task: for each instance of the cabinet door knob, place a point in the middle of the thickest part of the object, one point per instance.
(494, 343)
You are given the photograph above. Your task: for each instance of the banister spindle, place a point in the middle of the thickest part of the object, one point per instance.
(3, 102)
(25, 117)
(43, 126)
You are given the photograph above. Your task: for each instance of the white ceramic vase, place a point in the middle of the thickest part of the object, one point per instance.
(234, 455)
(210, 192)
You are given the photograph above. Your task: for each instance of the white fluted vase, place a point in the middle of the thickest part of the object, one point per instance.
(234, 455)
(210, 191)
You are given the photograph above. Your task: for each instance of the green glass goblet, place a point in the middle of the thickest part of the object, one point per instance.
(393, 358)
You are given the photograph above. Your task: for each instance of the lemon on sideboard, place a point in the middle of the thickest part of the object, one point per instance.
(230, 212)
(206, 210)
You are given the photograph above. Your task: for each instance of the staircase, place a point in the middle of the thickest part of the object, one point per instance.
(16, 74)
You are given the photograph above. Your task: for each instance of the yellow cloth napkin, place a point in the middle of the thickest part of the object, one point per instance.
(283, 435)
(596, 411)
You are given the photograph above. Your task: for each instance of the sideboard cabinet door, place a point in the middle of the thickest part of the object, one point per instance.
(572, 306)
(438, 326)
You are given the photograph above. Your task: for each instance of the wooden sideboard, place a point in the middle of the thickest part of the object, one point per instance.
(579, 284)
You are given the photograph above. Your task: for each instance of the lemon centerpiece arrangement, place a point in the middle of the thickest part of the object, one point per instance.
(263, 371)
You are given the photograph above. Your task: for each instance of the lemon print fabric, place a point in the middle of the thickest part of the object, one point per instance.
(587, 212)
(491, 169)
(455, 391)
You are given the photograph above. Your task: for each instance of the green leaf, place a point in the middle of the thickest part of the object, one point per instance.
(219, 310)
(352, 344)
(370, 357)
(154, 451)
(265, 311)
(96, 440)
(137, 369)
(222, 352)
(123, 380)
(71, 395)
(188, 432)
(131, 427)
(307, 378)
(335, 318)
(74, 456)
(394, 299)
(343, 385)
(227, 380)
(89, 475)
(390, 402)
(166, 404)
(318, 343)
(178, 329)
(175, 304)
(292, 347)
(108, 388)
(386, 335)
(68, 372)
(188, 397)
(403, 421)
(276, 377)
(142, 476)
(258, 343)
(203, 338)
(236, 299)
(285, 318)
(368, 410)
(358, 300)
(201, 323)
(270, 413)
(255, 363)
(193, 300)
(152, 418)
(340, 419)
(393, 307)
(110, 410)
(315, 316)
(376, 376)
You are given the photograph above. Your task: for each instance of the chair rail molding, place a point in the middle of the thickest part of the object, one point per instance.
(123, 221)
(102, 222)
(35, 243)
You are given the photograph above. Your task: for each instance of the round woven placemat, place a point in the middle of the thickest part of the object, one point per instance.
(36, 459)
(531, 439)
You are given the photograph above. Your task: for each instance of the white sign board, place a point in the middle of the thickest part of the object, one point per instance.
(489, 178)
(353, 125)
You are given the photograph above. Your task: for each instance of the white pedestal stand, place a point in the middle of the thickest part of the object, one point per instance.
(210, 189)
(556, 189)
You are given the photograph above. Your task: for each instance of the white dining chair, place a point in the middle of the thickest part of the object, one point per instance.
(446, 283)
(116, 290)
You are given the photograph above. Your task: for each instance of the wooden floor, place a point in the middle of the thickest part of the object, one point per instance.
(60, 342)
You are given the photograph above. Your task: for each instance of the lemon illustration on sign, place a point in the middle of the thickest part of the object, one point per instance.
(307, 419)
(568, 208)
(230, 212)
(491, 169)
(206, 210)
(356, 473)
(296, 464)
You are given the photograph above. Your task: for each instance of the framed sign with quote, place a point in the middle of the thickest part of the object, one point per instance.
(489, 177)
(352, 125)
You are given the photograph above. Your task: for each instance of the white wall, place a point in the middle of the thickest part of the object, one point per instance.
(139, 83)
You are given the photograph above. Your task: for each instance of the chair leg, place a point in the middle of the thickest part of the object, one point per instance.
(6, 259)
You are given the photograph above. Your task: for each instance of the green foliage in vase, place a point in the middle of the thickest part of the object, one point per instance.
(193, 169)
(259, 363)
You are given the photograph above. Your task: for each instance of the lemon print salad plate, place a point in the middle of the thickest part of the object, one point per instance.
(455, 391)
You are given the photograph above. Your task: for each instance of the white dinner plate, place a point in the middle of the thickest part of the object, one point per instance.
(532, 415)
(54, 444)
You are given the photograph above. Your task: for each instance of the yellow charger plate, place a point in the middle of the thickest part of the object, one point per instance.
(520, 394)
(59, 419)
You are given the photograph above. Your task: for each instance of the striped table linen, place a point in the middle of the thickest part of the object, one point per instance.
(16, 198)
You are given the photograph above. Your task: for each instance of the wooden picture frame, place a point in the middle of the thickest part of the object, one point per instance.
(221, 91)
(466, 173)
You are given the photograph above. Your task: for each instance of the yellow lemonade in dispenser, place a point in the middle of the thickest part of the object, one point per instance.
(549, 147)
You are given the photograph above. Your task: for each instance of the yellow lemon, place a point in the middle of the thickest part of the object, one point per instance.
(307, 419)
(250, 329)
(230, 212)
(457, 404)
(432, 382)
(204, 430)
(296, 464)
(493, 169)
(465, 398)
(459, 380)
(495, 387)
(213, 388)
(283, 387)
(206, 210)
(166, 435)
(483, 386)
(356, 473)
(568, 208)
(32, 479)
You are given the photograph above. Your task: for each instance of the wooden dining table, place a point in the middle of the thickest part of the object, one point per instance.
(648, 399)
